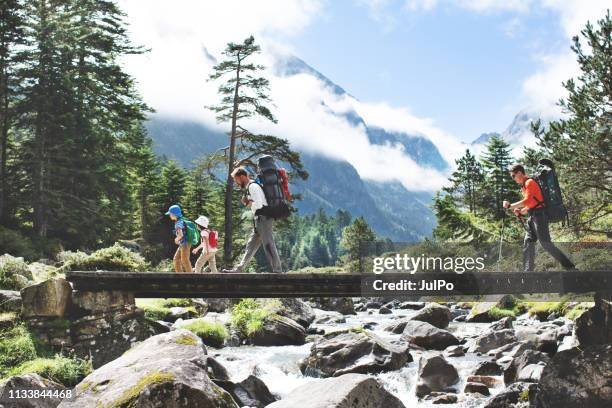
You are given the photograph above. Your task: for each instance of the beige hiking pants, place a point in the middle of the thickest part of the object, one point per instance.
(206, 257)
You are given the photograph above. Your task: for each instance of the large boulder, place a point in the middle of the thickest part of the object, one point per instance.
(435, 374)
(50, 298)
(542, 338)
(580, 377)
(297, 310)
(480, 313)
(10, 301)
(345, 391)
(104, 337)
(434, 314)
(341, 304)
(101, 301)
(167, 370)
(35, 383)
(491, 340)
(521, 361)
(427, 336)
(279, 331)
(354, 352)
(595, 325)
(517, 395)
(250, 392)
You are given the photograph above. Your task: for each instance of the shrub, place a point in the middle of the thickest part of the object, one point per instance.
(578, 310)
(64, 370)
(17, 345)
(211, 333)
(115, 258)
(499, 313)
(14, 272)
(159, 309)
(543, 309)
(14, 243)
(249, 315)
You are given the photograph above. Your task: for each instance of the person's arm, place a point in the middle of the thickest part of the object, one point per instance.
(179, 236)
(196, 249)
(257, 197)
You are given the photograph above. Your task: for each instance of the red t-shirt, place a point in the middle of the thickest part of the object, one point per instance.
(530, 190)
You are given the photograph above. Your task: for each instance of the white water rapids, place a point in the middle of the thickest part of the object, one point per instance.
(278, 366)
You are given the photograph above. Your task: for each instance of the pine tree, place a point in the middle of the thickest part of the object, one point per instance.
(243, 96)
(581, 145)
(11, 37)
(356, 239)
(466, 180)
(498, 185)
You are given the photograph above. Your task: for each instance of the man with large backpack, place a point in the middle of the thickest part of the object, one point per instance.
(265, 197)
(538, 202)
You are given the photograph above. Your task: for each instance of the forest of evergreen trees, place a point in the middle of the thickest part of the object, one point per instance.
(77, 168)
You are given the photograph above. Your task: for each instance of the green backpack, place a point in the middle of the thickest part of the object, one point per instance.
(193, 235)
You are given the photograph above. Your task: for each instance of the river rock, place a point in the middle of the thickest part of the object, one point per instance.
(488, 368)
(595, 325)
(480, 313)
(354, 352)
(342, 305)
(279, 331)
(487, 380)
(32, 382)
(518, 363)
(215, 369)
(427, 336)
(523, 393)
(102, 301)
(384, 310)
(491, 340)
(441, 398)
(330, 318)
(578, 378)
(434, 314)
(454, 351)
(167, 370)
(501, 324)
(297, 310)
(543, 338)
(530, 373)
(435, 374)
(345, 391)
(50, 298)
(218, 305)
(10, 301)
(250, 392)
(412, 305)
(475, 387)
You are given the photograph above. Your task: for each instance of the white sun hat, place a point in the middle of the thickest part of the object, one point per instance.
(202, 221)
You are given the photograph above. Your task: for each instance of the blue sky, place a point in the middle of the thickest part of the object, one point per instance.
(462, 69)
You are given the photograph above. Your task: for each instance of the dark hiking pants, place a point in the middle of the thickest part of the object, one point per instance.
(537, 230)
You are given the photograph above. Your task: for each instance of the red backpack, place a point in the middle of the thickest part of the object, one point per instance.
(212, 238)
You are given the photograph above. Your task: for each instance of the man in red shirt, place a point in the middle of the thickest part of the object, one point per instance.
(537, 223)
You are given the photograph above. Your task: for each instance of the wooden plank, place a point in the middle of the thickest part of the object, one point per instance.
(155, 284)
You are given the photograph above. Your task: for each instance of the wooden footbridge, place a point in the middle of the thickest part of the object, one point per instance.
(290, 285)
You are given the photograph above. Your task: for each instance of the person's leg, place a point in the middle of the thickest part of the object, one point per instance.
(529, 247)
(252, 246)
(212, 262)
(542, 230)
(267, 238)
(185, 251)
(199, 265)
(176, 260)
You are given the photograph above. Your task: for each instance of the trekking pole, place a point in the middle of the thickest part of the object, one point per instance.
(501, 240)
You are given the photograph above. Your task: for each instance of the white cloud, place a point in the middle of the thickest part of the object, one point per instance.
(544, 87)
(172, 79)
(476, 5)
